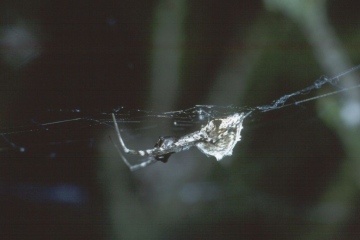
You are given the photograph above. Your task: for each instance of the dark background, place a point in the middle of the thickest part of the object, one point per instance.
(293, 176)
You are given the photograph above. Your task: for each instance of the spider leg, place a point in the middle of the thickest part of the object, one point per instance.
(136, 166)
(141, 165)
(126, 150)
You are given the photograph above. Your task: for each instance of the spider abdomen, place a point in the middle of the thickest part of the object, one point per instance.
(222, 136)
(222, 147)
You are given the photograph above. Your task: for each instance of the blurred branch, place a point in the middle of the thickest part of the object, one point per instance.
(335, 207)
(330, 53)
(168, 38)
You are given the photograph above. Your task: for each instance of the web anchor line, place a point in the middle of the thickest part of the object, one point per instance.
(281, 102)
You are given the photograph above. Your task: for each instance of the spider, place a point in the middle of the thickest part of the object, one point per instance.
(217, 138)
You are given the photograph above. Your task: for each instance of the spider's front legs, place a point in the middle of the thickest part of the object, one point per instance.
(136, 166)
(161, 151)
(145, 153)
(126, 150)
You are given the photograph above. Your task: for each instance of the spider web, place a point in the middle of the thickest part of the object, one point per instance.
(70, 124)
(58, 127)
